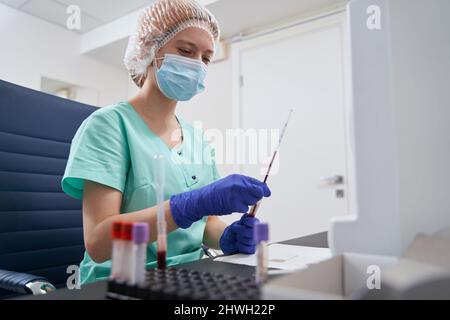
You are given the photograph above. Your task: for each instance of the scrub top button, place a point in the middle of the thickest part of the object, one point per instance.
(194, 177)
(180, 153)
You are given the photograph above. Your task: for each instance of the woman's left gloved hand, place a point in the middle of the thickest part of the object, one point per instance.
(238, 236)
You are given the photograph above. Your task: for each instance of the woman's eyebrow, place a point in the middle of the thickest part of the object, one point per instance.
(190, 44)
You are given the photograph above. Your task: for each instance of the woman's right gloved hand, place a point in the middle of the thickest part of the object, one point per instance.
(225, 196)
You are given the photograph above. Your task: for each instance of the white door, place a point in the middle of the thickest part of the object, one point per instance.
(302, 68)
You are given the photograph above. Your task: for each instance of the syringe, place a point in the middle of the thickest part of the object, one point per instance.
(161, 219)
(254, 208)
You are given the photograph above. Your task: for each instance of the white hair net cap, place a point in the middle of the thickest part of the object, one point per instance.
(158, 25)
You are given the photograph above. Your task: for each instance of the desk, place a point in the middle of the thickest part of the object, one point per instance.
(97, 290)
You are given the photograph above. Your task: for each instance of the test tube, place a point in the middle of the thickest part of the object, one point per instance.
(139, 256)
(117, 251)
(261, 236)
(127, 234)
(159, 174)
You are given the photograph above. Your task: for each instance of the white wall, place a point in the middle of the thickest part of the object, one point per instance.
(421, 82)
(32, 48)
(400, 81)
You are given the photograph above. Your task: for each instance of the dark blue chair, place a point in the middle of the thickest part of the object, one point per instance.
(40, 226)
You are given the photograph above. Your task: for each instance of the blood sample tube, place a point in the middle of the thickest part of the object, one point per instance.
(127, 235)
(117, 251)
(139, 254)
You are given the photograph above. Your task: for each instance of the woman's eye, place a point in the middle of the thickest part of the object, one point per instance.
(184, 51)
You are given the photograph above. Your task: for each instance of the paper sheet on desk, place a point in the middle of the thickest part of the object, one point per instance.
(283, 256)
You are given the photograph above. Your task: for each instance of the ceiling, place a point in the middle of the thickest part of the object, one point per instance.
(234, 16)
(94, 13)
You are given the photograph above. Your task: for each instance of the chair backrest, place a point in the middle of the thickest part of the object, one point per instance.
(40, 226)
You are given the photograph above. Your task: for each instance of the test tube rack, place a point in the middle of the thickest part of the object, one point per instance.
(183, 284)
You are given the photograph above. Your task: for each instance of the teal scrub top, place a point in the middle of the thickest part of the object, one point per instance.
(115, 147)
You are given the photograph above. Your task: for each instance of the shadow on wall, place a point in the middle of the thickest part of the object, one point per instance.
(70, 91)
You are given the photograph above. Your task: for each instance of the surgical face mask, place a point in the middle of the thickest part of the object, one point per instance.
(180, 78)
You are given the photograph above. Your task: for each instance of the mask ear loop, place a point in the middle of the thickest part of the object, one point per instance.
(156, 69)
(155, 61)
(155, 50)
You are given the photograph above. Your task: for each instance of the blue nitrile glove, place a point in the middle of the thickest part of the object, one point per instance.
(238, 236)
(225, 196)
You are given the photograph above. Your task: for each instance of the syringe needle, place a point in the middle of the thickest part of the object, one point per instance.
(255, 207)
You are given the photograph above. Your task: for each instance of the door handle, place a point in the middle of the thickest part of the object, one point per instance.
(333, 180)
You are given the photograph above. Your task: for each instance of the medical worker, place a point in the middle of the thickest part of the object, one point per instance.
(110, 164)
